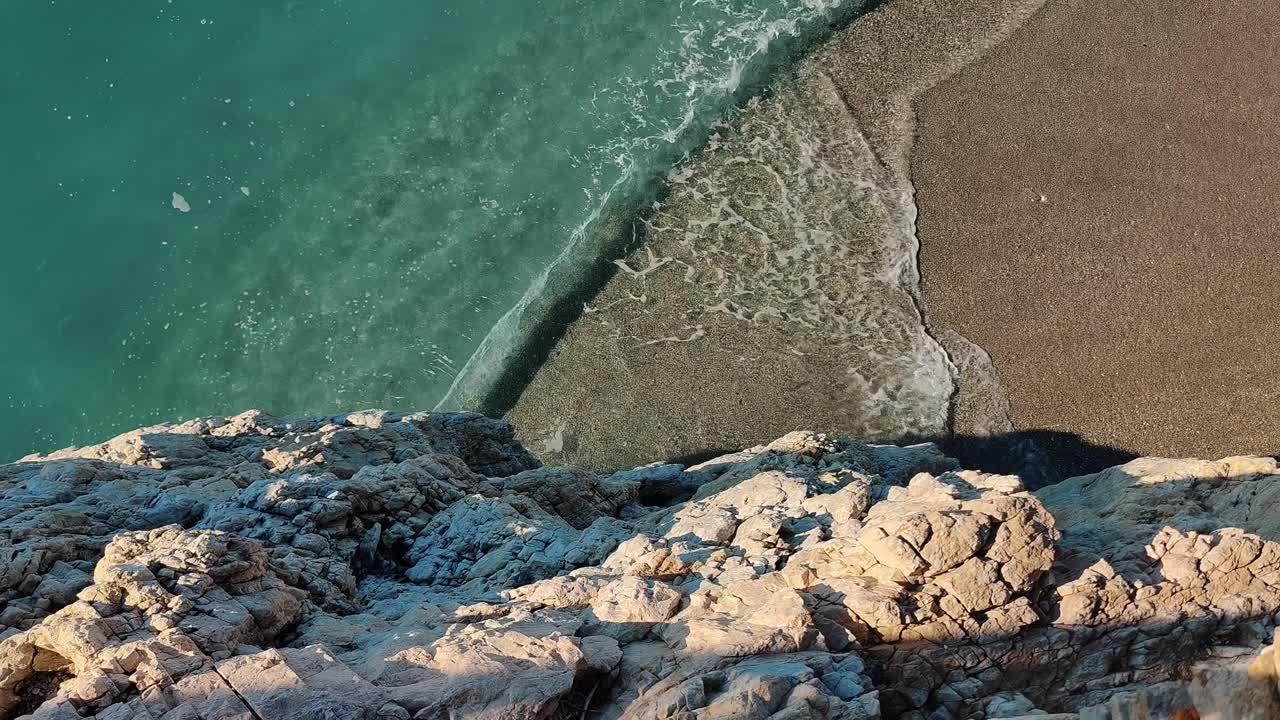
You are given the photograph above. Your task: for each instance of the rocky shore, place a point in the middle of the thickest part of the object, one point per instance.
(379, 565)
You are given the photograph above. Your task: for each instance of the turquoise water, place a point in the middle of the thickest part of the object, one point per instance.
(319, 206)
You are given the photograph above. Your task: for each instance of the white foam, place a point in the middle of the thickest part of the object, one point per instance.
(705, 90)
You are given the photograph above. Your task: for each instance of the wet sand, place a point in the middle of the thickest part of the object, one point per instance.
(776, 289)
(1098, 203)
(1097, 186)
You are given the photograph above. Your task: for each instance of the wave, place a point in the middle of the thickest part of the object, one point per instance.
(716, 64)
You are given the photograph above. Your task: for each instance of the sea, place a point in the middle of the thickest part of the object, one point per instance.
(314, 206)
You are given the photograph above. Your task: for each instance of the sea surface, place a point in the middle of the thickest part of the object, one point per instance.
(314, 206)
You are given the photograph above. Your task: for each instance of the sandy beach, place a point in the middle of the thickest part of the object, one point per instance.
(1097, 203)
(1096, 190)
(776, 288)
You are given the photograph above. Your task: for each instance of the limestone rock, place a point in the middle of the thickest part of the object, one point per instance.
(480, 672)
(347, 477)
(627, 608)
(1241, 688)
(378, 565)
(1161, 701)
(579, 497)
(164, 603)
(782, 686)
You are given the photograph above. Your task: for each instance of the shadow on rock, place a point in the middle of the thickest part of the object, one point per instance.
(1039, 457)
(422, 566)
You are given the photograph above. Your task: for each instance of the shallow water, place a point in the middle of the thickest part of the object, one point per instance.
(369, 188)
(775, 290)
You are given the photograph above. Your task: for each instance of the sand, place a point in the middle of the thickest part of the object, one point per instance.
(1098, 204)
(1095, 186)
(776, 288)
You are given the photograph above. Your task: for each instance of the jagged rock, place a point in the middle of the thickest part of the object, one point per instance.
(278, 684)
(1240, 688)
(577, 589)
(163, 603)
(782, 686)
(486, 544)
(394, 566)
(249, 474)
(485, 671)
(1010, 705)
(579, 497)
(601, 653)
(371, 437)
(1162, 701)
(304, 683)
(964, 553)
(1114, 513)
(627, 608)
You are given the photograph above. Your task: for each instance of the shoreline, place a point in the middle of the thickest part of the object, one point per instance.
(888, 81)
(779, 288)
(513, 350)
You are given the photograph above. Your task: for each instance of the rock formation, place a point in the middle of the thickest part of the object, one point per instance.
(380, 565)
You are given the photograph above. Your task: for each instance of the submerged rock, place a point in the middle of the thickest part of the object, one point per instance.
(424, 566)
